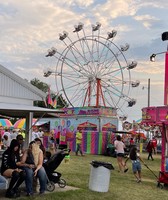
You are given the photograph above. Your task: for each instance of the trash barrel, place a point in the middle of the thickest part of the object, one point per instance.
(100, 176)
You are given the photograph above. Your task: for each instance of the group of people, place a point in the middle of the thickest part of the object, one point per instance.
(8, 134)
(25, 166)
(134, 156)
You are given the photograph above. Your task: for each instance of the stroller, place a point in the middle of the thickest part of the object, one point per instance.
(50, 166)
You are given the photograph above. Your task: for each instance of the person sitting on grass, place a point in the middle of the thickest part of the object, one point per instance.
(136, 164)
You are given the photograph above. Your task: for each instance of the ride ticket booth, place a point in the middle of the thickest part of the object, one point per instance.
(158, 116)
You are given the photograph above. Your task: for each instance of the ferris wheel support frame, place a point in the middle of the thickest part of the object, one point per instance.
(99, 94)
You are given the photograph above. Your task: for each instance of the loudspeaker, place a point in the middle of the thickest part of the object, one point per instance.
(165, 36)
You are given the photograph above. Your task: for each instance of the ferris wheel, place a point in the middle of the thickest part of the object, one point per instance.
(92, 70)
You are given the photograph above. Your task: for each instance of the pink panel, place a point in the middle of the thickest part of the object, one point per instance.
(166, 80)
(163, 114)
(149, 114)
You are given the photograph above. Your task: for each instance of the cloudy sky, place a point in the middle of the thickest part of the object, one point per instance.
(29, 28)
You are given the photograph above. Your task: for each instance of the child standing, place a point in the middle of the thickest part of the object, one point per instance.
(136, 164)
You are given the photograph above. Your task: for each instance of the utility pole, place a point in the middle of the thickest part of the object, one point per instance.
(149, 92)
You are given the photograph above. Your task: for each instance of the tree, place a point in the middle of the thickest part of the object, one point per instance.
(61, 102)
(40, 85)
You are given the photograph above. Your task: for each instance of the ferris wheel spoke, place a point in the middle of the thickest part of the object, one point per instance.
(85, 43)
(71, 76)
(76, 92)
(89, 52)
(73, 67)
(81, 45)
(112, 81)
(110, 62)
(116, 70)
(116, 92)
(109, 70)
(95, 45)
(119, 51)
(67, 61)
(114, 101)
(111, 101)
(81, 66)
(74, 50)
(81, 72)
(74, 81)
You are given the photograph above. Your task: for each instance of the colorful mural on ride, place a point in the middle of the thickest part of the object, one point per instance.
(97, 126)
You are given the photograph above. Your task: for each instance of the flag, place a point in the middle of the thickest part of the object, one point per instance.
(55, 102)
(50, 101)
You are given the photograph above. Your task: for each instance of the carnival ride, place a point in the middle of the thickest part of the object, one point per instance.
(158, 117)
(92, 70)
(94, 76)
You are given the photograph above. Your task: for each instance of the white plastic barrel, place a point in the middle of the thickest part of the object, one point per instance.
(99, 179)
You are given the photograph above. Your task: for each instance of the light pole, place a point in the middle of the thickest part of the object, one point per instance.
(164, 127)
(152, 59)
(148, 88)
(148, 92)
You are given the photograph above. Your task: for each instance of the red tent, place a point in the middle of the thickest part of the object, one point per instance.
(109, 127)
(140, 134)
(87, 126)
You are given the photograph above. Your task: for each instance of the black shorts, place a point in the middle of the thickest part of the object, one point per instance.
(120, 154)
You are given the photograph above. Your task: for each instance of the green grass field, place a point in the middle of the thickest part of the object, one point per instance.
(123, 186)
